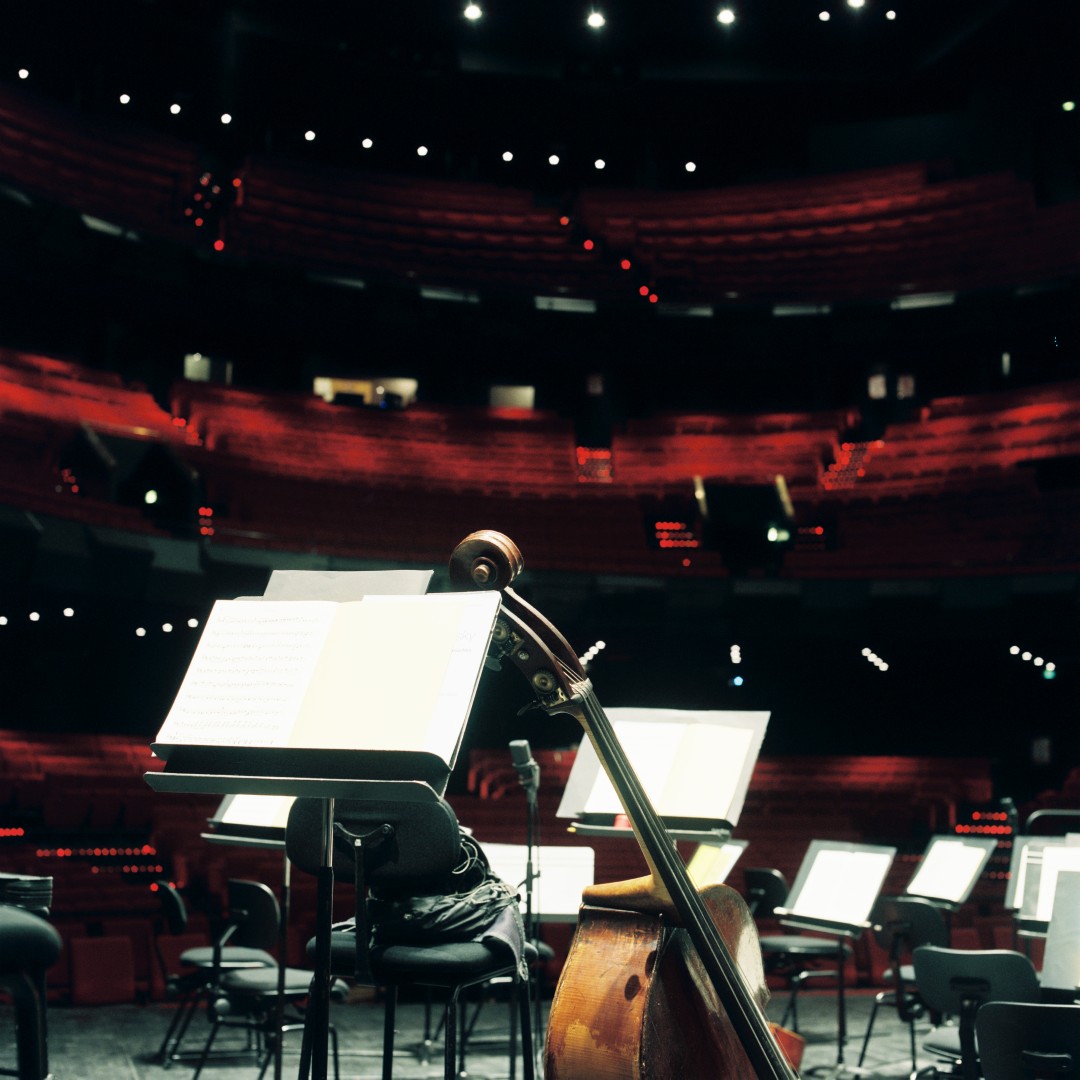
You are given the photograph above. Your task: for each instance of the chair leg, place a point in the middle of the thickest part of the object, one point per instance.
(27, 991)
(528, 1056)
(389, 1019)
(214, 1028)
(450, 1054)
(881, 997)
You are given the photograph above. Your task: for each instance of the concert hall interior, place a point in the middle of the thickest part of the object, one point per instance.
(753, 327)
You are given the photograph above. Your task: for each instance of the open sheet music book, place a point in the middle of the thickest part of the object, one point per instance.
(381, 683)
(694, 765)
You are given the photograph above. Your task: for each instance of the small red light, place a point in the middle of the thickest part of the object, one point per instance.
(198, 223)
(625, 264)
(644, 290)
(588, 245)
(236, 181)
(653, 298)
(564, 220)
(219, 245)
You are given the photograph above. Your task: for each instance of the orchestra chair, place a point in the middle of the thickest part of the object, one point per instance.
(199, 968)
(956, 984)
(797, 958)
(29, 946)
(901, 924)
(1028, 1041)
(254, 999)
(406, 849)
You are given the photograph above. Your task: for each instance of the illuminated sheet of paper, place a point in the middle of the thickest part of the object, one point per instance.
(561, 873)
(711, 863)
(383, 673)
(1055, 861)
(688, 770)
(842, 886)
(1061, 963)
(261, 811)
(947, 871)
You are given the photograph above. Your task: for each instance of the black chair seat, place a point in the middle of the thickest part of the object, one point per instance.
(944, 1040)
(802, 945)
(28, 940)
(233, 958)
(259, 982)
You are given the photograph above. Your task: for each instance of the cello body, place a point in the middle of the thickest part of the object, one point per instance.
(634, 1002)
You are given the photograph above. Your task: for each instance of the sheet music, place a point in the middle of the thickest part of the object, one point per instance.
(947, 871)
(394, 673)
(561, 873)
(249, 674)
(712, 863)
(842, 886)
(261, 811)
(1055, 861)
(1061, 963)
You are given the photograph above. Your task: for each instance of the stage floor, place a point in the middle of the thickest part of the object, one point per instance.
(118, 1042)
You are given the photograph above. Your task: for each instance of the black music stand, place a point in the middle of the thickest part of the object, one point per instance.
(833, 893)
(1033, 870)
(695, 766)
(256, 654)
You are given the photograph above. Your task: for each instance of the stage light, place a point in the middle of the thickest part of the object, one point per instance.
(737, 681)
(553, 159)
(219, 245)
(1014, 650)
(23, 73)
(35, 616)
(725, 16)
(1025, 656)
(643, 290)
(309, 135)
(226, 118)
(507, 156)
(367, 144)
(421, 151)
(624, 264)
(856, 4)
(1068, 106)
(595, 20)
(599, 163)
(125, 99)
(3, 620)
(140, 631)
(890, 15)
(174, 109)
(690, 167)
(473, 12)
(588, 245)
(69, 612)
(823, 16)
(1038, 661)
(192, 623)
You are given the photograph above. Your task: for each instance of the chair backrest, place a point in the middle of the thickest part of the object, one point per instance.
(418, 853)
(903, 923)
(254, 915)
(766, 890)
(1025, 1040)
(950, 981)
(173, 908)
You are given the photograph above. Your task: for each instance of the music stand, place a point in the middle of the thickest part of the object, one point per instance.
(695, 766)
(833, 893)
(949, 868)
(713, 861)
(1033, 869)
(1060, 976)
(290, 697)
(259, 821)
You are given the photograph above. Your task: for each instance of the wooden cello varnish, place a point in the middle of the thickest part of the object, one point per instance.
(633, 1000)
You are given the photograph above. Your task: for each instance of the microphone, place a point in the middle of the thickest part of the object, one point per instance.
(527, 768)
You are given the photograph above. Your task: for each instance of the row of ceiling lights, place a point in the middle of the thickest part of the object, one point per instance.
(726, 16)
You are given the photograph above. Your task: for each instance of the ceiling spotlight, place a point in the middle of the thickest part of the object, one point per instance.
(1068, 106)
(725, 16)
(226, 118)
(23, 73)
(1014, 650)
(125, 99)
(140, 631)
(691, 167)
(69, 612)
(309, 135)
(35, 616)
(856, 3)
(507, 156)
(599, 163)
(595, 20)
(1025, 656)
(890, 15)
(192, 623)
(473, 12)
(367, 144)
(174, 109)
(823, 16)
(166, 628)
(553, 159)
(421, 151)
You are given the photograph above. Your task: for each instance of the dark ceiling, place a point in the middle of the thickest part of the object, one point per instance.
(660, 84)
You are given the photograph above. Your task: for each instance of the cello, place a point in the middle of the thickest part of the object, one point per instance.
(699, 948)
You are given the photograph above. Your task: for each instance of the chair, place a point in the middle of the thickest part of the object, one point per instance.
(197, 972)
(29, 946)
(394, 851)
(795, 957)
(254, 999)
(1027, 1041)
(900, 925)
(958, 983)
